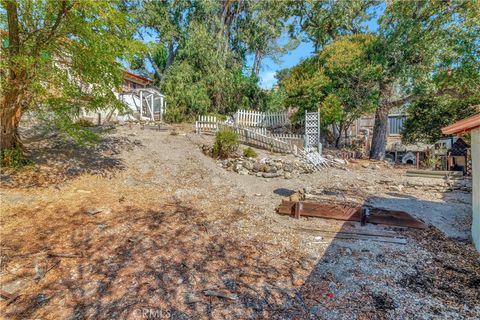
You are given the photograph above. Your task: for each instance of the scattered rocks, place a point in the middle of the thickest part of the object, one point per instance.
(266, 167)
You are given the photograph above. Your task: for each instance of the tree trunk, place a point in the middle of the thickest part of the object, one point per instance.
(256, 63)
(338, 140)
(11, 102)
(10, 114)
(379, 136)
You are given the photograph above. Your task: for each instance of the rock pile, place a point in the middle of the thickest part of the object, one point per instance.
(266, 167)
(271, 168)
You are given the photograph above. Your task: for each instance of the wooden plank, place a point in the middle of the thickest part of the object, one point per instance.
(436, 173)
(352, 213)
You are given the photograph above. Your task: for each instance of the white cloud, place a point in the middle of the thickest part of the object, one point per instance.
(267, 79)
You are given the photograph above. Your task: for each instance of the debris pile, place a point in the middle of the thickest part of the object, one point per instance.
(308, 161)
(315, 161)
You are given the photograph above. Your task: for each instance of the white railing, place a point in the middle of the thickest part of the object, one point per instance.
(256, 136)
(259, 140)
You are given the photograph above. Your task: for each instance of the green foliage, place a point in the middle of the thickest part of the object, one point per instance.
(14, 159)
(86, 123)
(249, 153)
(432, 161)
(199, 55)
(324, 21)
(226, 143)
(340, 80)
(332, 110)
(275, 100)
(427, 116)
(67, 58)
(304, 86)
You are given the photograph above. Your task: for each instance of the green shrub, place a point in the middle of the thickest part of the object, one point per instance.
(226, 143)
(14, 158)
(249, 153)
(85, 123)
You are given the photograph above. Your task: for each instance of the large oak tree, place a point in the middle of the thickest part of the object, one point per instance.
(58, 57)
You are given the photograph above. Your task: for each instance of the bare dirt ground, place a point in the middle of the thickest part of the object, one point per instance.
(146, 226)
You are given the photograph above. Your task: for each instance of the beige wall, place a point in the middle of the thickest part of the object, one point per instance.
(476, 187)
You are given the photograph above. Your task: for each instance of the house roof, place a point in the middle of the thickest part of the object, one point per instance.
(138, 78)
(463, 126)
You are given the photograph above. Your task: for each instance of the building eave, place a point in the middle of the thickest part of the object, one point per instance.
(141, 79)
(463, 126)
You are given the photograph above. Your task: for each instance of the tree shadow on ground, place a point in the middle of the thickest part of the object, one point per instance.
(177, 263)
(431, 275)
(57, 160)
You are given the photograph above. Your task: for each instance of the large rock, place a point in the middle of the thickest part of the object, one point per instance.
(270, 174)
(257, 167)
(272, 169)
(243, 172)
(248, 165)
(265, 168)
(238, 167)
(288, 167)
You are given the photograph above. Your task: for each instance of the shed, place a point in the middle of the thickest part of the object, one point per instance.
(472, 125)
(457, 156)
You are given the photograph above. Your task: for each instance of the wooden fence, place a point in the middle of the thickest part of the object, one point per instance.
(244, 118)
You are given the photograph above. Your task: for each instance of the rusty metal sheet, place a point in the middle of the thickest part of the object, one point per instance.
(349, 212)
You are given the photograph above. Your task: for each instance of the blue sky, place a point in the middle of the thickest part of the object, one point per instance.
(270, 68)
(304, 50)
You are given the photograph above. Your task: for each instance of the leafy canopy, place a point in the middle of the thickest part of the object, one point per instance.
(66, 57)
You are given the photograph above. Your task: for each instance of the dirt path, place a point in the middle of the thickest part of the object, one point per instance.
(157, 227)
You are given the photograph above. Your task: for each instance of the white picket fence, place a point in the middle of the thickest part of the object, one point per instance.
(245, 118)
(256, 136)
(259, 140)
(288, 136)
(206, 124)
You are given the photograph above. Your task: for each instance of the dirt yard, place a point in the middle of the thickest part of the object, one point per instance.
(145, 226)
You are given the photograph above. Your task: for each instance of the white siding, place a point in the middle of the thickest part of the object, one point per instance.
(476, 187)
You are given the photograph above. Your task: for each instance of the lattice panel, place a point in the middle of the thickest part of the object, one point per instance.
(468, 167)
(312, 129)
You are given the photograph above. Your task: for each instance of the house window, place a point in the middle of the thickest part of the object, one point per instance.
(395, 124)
